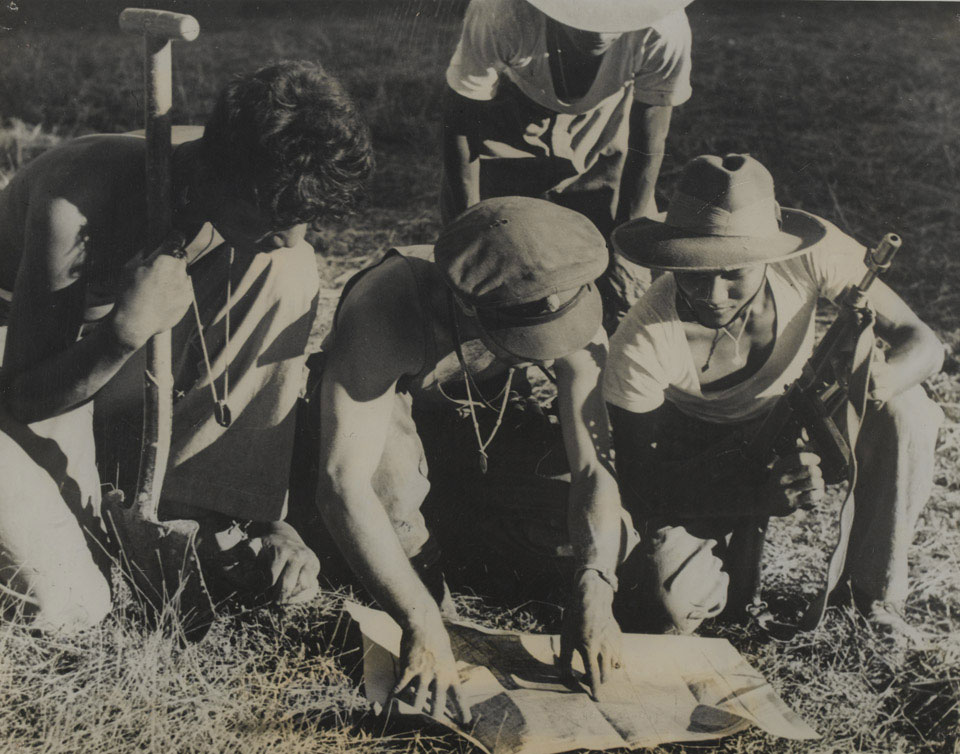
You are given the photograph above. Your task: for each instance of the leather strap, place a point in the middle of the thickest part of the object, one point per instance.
(856, 406)
(858, 382)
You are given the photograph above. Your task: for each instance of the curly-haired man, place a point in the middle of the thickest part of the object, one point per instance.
(283, 149)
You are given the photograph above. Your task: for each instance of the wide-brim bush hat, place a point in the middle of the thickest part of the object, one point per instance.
(724, 215)
(608, 15)
(526, 268)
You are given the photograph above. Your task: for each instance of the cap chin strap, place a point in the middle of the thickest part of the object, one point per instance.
(506, 318)
(722, 329)
(693, 311)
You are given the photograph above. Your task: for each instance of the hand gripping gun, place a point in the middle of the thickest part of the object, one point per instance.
(813, 402)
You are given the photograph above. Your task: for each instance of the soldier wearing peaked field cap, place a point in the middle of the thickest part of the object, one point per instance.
(510, 282)
(706, 353)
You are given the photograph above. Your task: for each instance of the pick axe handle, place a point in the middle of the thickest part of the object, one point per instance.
(158, 28)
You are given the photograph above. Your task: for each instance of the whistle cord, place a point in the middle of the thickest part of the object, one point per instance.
(226, 346)
(221, 408)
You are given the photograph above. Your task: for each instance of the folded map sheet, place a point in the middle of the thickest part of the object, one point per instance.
(669, 688)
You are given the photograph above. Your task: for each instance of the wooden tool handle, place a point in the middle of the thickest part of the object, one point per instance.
(158, 29)
(162, 24)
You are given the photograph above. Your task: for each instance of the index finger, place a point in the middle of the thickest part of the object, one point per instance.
(405, 680)
(277, 567)
(461, 708)
(606, 665)
(440, 699)
(594, 679)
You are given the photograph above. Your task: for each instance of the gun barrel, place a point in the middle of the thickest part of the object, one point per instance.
(878, 260)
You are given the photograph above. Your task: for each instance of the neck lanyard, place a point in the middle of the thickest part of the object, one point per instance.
(468, 380)
(221, 409)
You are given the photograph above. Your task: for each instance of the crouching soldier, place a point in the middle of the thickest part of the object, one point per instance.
(283, 148)
(512, 283)
(707, 352)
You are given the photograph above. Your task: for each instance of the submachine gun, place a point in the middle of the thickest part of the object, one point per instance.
(813, 402)
(823, 405)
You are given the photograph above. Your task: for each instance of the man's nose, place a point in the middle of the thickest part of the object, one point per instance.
(716, 290)
(285, 239)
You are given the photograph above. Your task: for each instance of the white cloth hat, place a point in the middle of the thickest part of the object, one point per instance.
(608, 15)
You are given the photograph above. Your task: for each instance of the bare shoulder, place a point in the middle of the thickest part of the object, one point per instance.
(86, 166)
(66, 199)
(380, 324)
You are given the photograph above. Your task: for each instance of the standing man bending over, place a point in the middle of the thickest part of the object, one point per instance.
(707, 352)
(569, 101)
(283, 148)
(512, 283)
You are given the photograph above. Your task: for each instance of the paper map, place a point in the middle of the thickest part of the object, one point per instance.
(670, 688)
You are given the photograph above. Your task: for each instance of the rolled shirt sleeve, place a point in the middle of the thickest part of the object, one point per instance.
(837, 264)
(635, 377)
(490, 28)
(663, 63)
(828, 269)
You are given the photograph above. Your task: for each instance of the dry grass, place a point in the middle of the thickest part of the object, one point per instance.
(267, 681)
(854, 108)
(19, 143)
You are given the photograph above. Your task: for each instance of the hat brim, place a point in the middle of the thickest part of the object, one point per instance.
(608, 15)
(553, 339)
(664, 247)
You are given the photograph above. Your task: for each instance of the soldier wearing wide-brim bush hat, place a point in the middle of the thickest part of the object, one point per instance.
(723, 215)
(707, 352)
(569, 102)
(608, 15)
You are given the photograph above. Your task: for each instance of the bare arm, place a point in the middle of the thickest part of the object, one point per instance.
(649, 125)
(594, 503)
(915, 352)
(46, 370)
(594, 514)
(461, 161)
(357, 397)
(353, 433)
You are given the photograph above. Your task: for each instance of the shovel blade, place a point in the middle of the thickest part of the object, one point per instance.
(159, 560)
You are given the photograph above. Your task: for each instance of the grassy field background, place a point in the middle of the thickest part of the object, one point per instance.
(853, 107)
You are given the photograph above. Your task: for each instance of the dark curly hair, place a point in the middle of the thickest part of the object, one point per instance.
(290, 135)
